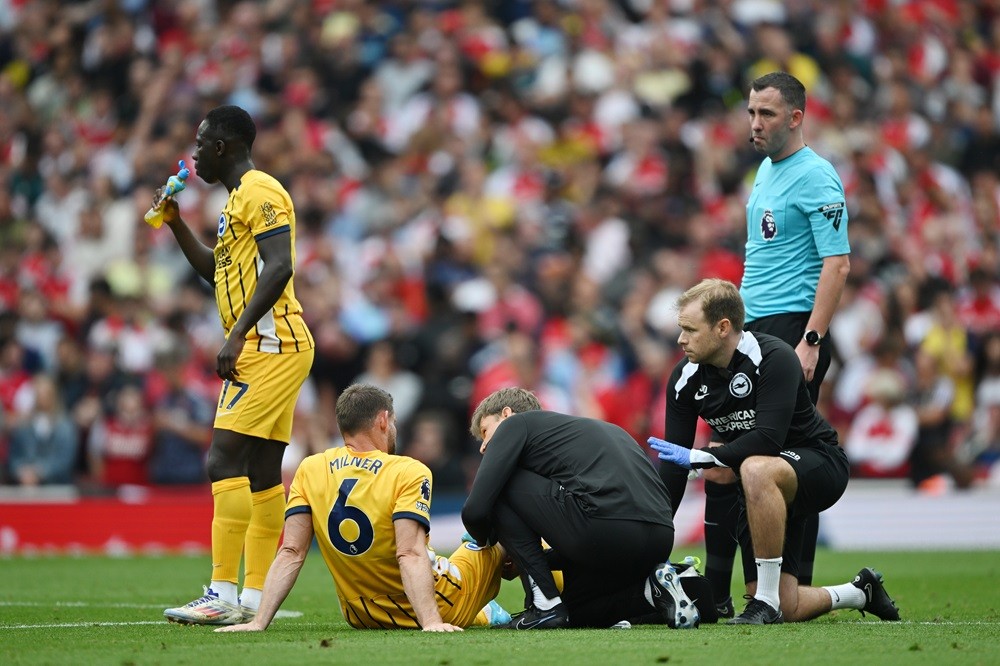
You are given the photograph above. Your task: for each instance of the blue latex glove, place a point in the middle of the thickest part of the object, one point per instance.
(670, 452)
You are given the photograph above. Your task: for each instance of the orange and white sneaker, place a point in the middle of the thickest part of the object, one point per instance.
(209, 609)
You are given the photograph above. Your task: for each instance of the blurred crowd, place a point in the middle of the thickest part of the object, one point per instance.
(487, 194)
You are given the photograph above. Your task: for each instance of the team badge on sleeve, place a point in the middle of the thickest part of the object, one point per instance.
(833, 212)
(269, 214)
(424, 503)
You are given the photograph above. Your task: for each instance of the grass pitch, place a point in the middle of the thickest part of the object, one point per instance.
(98, 610)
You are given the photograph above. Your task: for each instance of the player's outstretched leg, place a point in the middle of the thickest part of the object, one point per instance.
(877, 600)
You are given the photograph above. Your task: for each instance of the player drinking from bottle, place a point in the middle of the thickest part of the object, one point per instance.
(266, 357)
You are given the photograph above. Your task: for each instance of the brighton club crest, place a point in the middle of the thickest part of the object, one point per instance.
(740, 385)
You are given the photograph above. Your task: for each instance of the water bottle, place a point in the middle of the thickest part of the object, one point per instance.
(154, 216)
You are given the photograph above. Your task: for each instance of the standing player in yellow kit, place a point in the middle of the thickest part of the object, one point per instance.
(266, 357)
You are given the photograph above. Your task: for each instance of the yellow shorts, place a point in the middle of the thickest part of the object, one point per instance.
(466, 582)
(261, 402)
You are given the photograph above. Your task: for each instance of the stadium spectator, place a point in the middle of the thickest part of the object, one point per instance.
(120, 444)
(884, 432)
(432, 442)
(44, 445)
(382, 370)
(933, 452)
(948, 342)
(182, 417)
(37, 330)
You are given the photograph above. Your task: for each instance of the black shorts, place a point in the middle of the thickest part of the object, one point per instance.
(822, 473)
(790, 327)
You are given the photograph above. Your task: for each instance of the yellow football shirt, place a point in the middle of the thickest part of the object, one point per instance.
(354, 499)
(260, 207)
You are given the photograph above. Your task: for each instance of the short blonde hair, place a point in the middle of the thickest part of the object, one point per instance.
(720, 299)
(518, 399)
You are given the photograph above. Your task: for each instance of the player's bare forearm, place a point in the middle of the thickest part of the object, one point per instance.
(281, 578)
(276, 253)
(270, 285)
(283, 573)
(418, 583)
(200, 256)
(415, 570)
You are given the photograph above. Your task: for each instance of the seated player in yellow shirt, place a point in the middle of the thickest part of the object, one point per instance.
(370, 512)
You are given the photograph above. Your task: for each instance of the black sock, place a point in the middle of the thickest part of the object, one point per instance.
(721, 513)
(810, 534)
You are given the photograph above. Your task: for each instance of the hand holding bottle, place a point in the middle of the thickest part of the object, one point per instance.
(175, 184)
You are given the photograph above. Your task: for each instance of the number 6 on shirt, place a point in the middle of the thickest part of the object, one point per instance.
(341, 512)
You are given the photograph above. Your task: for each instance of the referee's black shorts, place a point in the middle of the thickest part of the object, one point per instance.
(790, 327)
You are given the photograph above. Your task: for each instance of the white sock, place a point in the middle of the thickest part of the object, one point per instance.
(768, 578)
(648, 593)
(538, 597)
(225, 590)
(846, 596)
(250, 598)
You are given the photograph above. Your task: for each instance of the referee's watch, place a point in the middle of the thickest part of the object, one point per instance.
(812, 338)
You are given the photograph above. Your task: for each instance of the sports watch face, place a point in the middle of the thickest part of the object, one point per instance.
(812, 338)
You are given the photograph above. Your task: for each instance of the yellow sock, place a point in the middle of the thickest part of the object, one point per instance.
(229, 526)
(266, 522)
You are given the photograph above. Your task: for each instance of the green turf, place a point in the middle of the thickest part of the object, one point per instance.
(948, 601)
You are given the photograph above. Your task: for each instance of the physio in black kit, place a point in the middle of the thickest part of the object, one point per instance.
(750, 389)
(587, 489)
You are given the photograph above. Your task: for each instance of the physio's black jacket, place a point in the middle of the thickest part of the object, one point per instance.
(598, 463)
(758, 405)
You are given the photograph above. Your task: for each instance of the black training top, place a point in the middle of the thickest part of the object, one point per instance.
(758, 405)
(598, 463)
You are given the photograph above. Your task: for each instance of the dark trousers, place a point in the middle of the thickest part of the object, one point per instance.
(790, 328)
(721, 508)
(605, 562)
